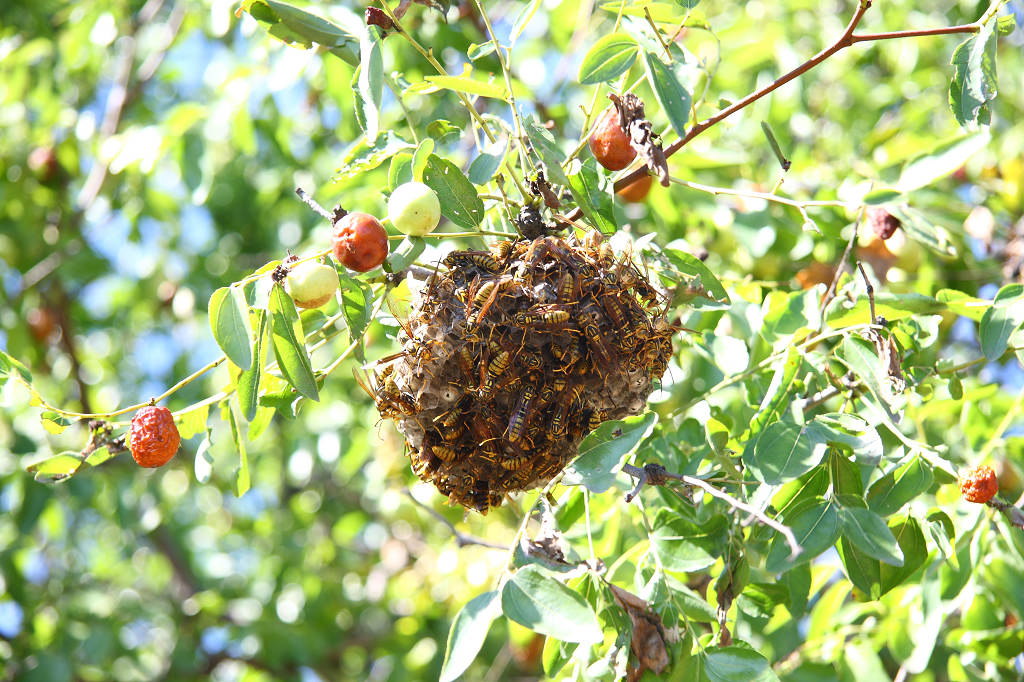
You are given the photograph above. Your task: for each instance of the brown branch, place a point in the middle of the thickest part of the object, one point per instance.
(1013, 514)
(461, 539)
(656, 474)
(847, 39)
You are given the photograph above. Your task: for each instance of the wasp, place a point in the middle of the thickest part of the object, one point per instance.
(565, 288)
(515, 462)
(595, 418)
(503, 249)
(443, 452)
(495, 368)
(542, 315)
(605, 255)
(551, 390)
(521, 413)
(464, 359)
(481, 259)
(596, 340)
(531, 361)
(616, 313)
(487, 295)
(389, 400)
(559, 418)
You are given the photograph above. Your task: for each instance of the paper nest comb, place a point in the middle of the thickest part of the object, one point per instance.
(511, 356)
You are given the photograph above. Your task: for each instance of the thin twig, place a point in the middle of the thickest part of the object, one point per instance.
(461, 539)
(655, 474)
(313, 204)
(1013, 514)
(845, 40)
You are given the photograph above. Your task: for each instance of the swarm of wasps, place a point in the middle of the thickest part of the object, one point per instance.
(512, 355)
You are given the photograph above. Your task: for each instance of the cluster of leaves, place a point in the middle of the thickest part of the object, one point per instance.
(786, 398)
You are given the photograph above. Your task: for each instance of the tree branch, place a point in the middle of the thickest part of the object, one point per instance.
(656, 474)
(847, 39)
(461, 539)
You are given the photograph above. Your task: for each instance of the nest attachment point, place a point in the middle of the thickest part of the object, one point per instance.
(511, 356)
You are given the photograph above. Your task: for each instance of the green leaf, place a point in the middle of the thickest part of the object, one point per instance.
(356, 302)
(287, 339)
(924, 231)
(469, 630)
(914, 548)
(441, 129)
(405, 253)
(816, 525)
(737, 664)
(889, 493)
(54, 422)
(602, 451)
(370, 84)
(460, 202)
(487, 163)
(494, 89)
(420, 158)
(963, 304)
(9, 367)
(595, 202)
(698, 280)
(940, 160)
(293, 25)
(57, 468)
(609, 58)
(777, 395)
(249, 380)
(477, 50)
(974, 82)
(542, 604)
(1006, 25)
(785, 451)
(1001, 320)
(881, 196)
(242, 480)
(860, 357)
(544, 142)
(843, 313)
(674, 99)
(684, 544)
(229, 320)
(400, 171)
(687, 4)
(871, 535)
(193, 422)
(363, 156)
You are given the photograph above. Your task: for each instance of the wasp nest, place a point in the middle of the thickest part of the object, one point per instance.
(511, 356)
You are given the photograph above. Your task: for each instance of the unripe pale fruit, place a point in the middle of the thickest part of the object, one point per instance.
(359, 242)
(312, 284)
(610, 144)
(414, 209)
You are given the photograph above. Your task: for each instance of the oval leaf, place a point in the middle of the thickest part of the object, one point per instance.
(602, 451)
(460, 202)
(1001, 320)
(816, 525)
(733, 663)
(285, 332)
(487, 163)
(609, 58)
(249, 380)
(469, 630)
(869, 533)
(889, 493)
(785, 451)
(229, 320)
(672, 96)
(545, 605)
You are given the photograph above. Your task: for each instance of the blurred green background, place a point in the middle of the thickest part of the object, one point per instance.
(149, 155)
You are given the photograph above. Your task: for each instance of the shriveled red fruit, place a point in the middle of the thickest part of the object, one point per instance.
(153, 437)
(637, 190)
(979, 484)
(883, 223)
(609, 143)
(42, 323)
(359, 242)
(44, 163)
